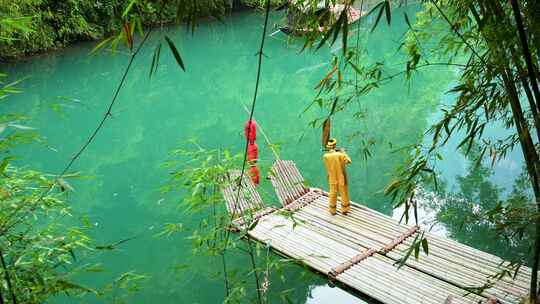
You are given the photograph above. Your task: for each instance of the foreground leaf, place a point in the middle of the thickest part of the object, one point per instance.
(175, 53)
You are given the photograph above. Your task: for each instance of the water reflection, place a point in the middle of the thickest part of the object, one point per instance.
(326, 294)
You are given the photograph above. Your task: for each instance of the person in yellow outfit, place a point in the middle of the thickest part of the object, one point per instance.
(335, 162)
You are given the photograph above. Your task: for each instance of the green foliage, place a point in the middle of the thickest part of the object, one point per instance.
(201, 174)
(40, 25)
(260, 3)
(41, 254)
(119, 290)
(497, 86)
(32, 26)
(37, 249)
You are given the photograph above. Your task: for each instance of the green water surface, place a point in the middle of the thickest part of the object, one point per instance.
(67, 92)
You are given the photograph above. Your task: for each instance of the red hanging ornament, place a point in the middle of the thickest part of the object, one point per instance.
(253, 152)
(250, 130)
(255, 174)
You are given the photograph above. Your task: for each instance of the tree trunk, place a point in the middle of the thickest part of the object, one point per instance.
(531, 70)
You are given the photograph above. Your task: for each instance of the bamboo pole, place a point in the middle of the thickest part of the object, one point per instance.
(278, 184)
(293, 186)
(288, 186)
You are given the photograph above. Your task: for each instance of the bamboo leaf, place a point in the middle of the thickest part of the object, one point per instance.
(381, 8)
(476, 17)
(20, 127)
(334, 105)
(516, 271)
(5, 163)
(388, 12)
(128, 8)
(435, 181)
(407, 20)
(157, 57)
(152, 64)
(100, 45)
(326, 132)
(66, 285)
(339, 25)
(328, 34)
(403, 260)
(345, 34)
(139, 26)
(175, 53)
(356, 69)
(155, 60)
(327, 77)
(115, 42)
(425, 246)
(253, 225)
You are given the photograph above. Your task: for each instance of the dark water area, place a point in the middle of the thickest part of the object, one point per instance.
(67, 92)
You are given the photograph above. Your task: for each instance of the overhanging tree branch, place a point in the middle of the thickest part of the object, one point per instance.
(526, 52)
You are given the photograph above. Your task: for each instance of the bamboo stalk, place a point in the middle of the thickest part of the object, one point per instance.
(293, 173)
(293, 189)
(462, 276)
(287, 186)
(291, 185)
(284, 238)
(279, 185)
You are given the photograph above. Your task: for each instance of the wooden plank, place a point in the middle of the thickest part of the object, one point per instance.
(405, 285)
(469, 271)
(324, 253)
(466, 271)
(287, 181)
(365, 246)
(245, 200)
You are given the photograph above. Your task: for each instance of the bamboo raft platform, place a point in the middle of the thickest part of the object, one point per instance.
(361, 250)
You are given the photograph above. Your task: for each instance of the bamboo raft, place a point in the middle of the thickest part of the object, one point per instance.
(361, 250)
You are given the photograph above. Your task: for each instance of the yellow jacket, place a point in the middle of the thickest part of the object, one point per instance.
(335, 162)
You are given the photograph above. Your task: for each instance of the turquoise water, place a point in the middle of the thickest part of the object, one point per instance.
(67, 92)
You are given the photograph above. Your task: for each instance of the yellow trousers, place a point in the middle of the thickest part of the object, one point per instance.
(332, 198)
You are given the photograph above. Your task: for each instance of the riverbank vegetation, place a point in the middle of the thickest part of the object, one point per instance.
(35, 26)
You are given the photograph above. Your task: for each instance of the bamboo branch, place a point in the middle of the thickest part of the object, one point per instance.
(526, 52)
(260, 55)
(8, 280)
(501, 17)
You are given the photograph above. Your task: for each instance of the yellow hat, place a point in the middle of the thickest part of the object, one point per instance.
(331, 143)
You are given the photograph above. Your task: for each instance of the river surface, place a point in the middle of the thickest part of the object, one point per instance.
(67, 92)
